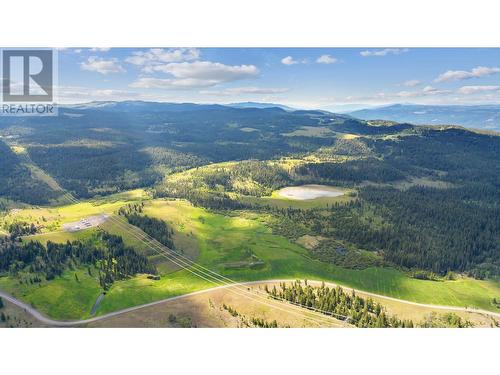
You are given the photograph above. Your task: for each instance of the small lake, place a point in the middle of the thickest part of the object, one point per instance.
(306, 192)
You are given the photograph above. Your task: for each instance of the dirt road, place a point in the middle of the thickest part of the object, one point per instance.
(59, 323)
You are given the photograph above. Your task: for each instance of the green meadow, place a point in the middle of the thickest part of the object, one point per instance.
(65, 298)
(228, 239)
(240, 247)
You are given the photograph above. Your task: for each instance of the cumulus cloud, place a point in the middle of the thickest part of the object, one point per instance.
(467, 90)
(156, 56)
(326, 59)
(289, 61)
(384, 52)
(458, 75)
(412, 83)
(196, 74)
(103, 66)
(245, 90)
(100, 49)
(208, 70)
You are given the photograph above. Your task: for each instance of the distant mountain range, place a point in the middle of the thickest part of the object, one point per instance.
(143, 106)
(484, 117)
(260, 105)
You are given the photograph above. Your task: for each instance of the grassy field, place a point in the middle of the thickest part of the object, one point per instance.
(224, 239)
(50, 219)
(311, 131)
(240, 247)
(64, 297)
(206, 310)
(60, 236)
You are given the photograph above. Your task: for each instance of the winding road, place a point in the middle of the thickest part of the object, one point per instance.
(73, 323)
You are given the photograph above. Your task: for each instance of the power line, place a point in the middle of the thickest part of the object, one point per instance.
(209, 275)
(221, 277)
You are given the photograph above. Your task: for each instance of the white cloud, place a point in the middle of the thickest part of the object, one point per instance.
(426, 91)
(432, 90)
(103, 66)
(208, 70)
(196, 74)
(76, 94)
(157, 56)
(100, 49)
(245, 90)
(466, 90)
(289, 61)
(458, 75)
(384, 52)
(171, 84)
(412, 83)
(326, 59)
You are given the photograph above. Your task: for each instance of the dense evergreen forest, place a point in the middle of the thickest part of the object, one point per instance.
(427, 228)
(107, 253)
(351, 172)
(436, 229)
(17, 182)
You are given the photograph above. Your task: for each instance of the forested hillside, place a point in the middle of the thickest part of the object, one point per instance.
(421, 198)
(17, 182)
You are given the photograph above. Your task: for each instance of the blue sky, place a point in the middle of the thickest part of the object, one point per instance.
(329, 78)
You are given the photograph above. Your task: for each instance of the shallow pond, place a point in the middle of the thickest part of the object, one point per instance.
(306, 192)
